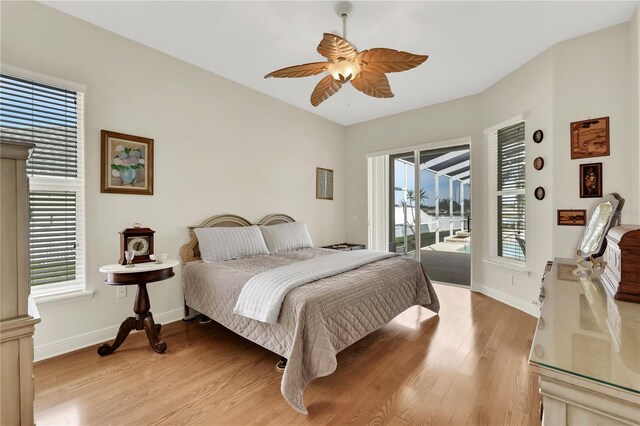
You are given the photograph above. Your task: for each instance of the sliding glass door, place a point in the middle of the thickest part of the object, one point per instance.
(430, 207)
(444, 182)
(403, 204)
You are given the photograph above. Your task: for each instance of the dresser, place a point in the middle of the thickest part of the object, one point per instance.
(586, 350)
(622, 274)
(18, 313)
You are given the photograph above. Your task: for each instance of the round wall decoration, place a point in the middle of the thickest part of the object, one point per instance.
(538, 163)
(538, 135)
(539, 193)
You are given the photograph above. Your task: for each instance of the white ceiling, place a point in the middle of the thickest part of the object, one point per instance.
(471, 45)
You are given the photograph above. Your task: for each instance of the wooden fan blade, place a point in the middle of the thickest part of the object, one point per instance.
(389, 60)
(325, 88)
(335, 47)
(296, 71)
(373, 84)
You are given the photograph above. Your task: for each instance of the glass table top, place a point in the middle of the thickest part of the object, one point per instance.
(583, 331)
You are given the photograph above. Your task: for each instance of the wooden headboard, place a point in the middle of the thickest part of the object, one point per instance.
(190, 251)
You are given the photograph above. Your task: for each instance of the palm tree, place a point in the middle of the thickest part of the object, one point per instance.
(410, 204)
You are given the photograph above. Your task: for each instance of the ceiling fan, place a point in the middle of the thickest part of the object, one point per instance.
(365, 70)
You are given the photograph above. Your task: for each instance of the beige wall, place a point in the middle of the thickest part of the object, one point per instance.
(588, 85)
(566, 83)
(635, 79)
(219, 148)
(527, 91)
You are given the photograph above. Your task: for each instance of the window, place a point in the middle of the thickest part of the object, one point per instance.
(507, 187)
(51, 118)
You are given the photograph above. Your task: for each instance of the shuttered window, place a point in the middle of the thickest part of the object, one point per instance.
(51, 118)
(508, 146)
(53, 236)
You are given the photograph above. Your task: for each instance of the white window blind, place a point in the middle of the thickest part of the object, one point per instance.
(51, 118)
(507, 187)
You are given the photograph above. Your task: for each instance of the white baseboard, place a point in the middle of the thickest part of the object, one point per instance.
(526, 307)
(94, 337)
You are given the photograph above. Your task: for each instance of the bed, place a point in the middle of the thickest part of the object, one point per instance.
(316, 320)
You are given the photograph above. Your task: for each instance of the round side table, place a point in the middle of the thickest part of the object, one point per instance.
(140, 274)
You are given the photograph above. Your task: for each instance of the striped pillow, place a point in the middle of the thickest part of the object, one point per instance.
(224, 243)
(286, 236)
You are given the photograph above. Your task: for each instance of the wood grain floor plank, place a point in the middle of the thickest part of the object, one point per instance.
(467, 365)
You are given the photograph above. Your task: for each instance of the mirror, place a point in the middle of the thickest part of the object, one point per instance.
(603, 216)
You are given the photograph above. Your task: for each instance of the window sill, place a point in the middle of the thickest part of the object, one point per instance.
(60, 297)
(502, 263)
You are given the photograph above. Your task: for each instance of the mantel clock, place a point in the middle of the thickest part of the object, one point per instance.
(139, 240)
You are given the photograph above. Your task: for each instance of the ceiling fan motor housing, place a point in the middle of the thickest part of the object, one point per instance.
(343, 8)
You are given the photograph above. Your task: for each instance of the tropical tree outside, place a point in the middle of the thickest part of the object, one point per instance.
(408, 241)
(410, 204)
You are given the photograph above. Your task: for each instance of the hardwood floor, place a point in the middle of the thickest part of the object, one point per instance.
(466, 366)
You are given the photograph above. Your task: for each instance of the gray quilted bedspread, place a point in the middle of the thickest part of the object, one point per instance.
(318, 319)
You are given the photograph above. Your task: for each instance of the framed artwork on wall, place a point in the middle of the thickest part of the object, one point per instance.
(538, 135)
(538, 163)
(591, 180)
(126, 164)
(324, 184)
(590, 138)
(572, 217)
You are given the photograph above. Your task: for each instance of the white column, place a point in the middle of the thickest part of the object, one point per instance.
(461, 205)
(418, 223)
(437, 209)
(450, 207)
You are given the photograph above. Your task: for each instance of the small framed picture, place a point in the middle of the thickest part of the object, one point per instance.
(572, 217)
(590, 138)
(324, 184)
(126, 164)
(539, 193)
(538, 135)
(538, 163)
(591, 180)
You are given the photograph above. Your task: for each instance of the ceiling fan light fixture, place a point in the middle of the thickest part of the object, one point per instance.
(347, 69)
(365, 70)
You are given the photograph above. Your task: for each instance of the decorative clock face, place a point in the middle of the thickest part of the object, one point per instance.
(139, 245)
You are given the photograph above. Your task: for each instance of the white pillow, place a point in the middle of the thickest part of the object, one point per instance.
(224, 243)
(286, 236)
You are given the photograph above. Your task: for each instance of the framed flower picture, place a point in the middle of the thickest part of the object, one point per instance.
(127, 164)
(591, 180)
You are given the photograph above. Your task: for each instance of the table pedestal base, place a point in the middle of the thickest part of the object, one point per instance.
(142, 320)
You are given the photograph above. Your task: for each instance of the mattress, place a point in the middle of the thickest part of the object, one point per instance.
(317, 320)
